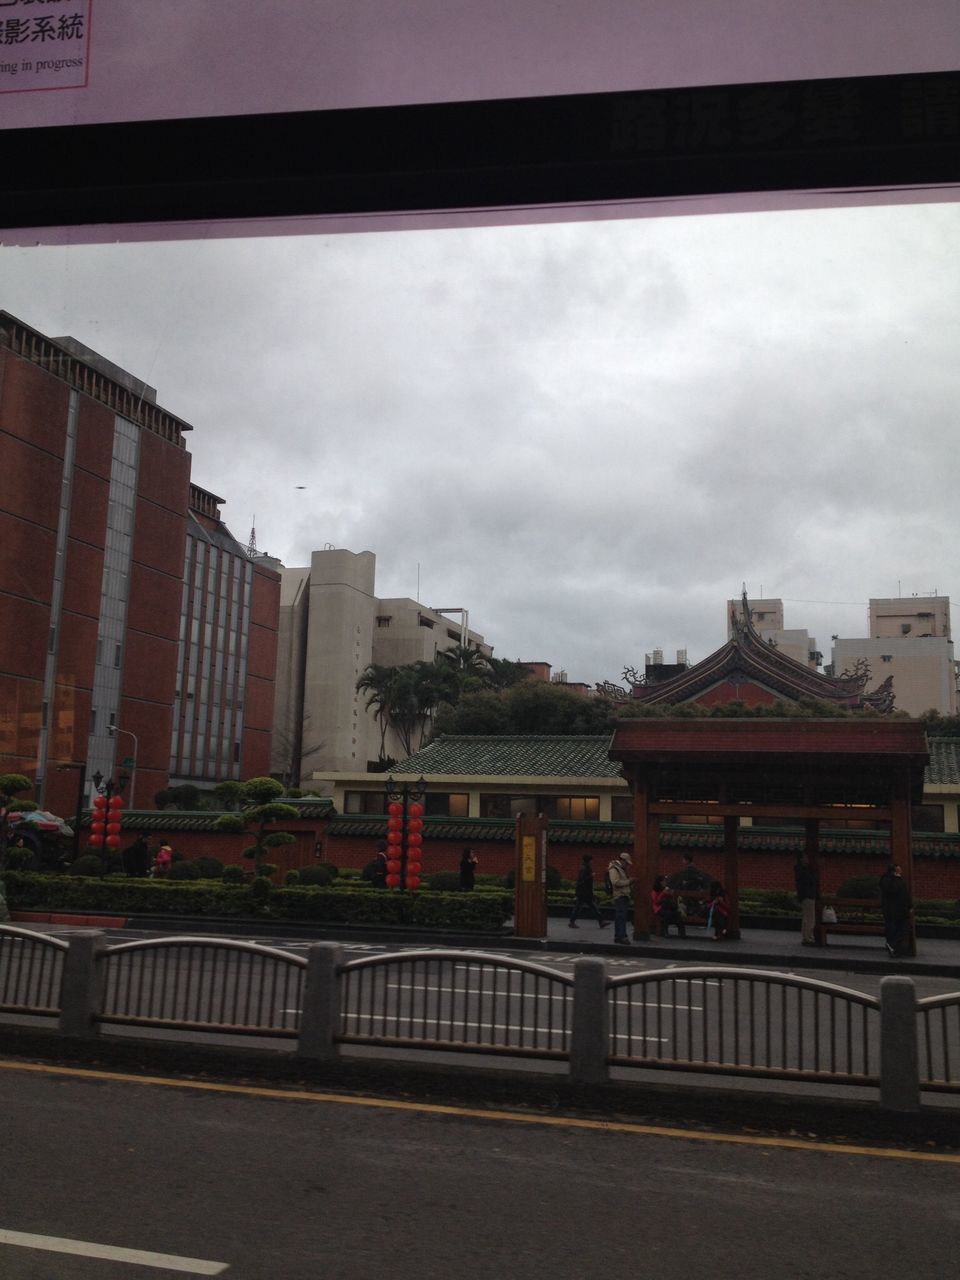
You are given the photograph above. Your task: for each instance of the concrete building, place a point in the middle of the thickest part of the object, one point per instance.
(910, 642)
(97, 616)
(332, 627)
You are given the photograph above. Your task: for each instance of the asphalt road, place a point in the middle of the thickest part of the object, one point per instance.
(272, 1186)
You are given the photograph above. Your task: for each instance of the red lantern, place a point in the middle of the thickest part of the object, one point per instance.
(413, 882)
(395, 808)
(99, 801)
(394, 838)
(113, 828)
(415, 810)
(98, 822)
(96, 839)
(414, 839)
(115, 802)
(415, 824)
(394, 824)
(393, 866)
(413, 869)
(393, 882)
(112, 842)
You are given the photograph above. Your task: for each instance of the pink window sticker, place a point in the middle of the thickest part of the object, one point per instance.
(44, 44)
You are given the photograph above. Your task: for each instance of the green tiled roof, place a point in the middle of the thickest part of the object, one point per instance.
(944, 766)
(533, 756)
(315, 807)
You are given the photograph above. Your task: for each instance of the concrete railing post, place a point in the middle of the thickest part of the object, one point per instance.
(899, 1057)
(590, 1032)
(82, 987)
(320, 1017)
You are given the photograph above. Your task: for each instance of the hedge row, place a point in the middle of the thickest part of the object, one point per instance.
(29, 891)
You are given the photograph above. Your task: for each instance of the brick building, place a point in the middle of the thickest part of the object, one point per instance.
(96, 616)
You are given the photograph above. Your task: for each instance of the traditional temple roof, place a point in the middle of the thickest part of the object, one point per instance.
(530, 756)
(747, 659)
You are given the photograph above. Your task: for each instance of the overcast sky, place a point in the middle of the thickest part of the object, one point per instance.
(588, 435)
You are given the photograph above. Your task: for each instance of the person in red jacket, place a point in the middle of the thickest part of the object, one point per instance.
(665, 909)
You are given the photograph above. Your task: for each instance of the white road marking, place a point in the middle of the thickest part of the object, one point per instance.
(109, 1252)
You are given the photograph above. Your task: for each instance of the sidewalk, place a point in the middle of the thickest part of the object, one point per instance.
(763, 948)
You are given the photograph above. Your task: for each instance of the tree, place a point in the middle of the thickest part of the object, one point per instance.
(532, 706)
(11, 784)
(185, 796)
(503, 674)
(377, 682)
(228, 793)
(261, 795)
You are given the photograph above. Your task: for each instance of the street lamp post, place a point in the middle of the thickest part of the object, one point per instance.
(404, 833)
(105, 825)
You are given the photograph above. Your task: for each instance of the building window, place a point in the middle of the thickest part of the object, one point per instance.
(500, 806)
(446, 804)
(571, 808)
(621, 808)
(371, 802)
(927, 817)
(384, 620)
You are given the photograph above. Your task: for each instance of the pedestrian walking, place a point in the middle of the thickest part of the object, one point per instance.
(896, 903)
(585, 900)
(808, 890)
(620, 887)
(468, 869)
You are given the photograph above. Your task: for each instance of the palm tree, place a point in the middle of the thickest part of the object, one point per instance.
(379, 682)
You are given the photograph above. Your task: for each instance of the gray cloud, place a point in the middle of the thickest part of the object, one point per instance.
(588, 435)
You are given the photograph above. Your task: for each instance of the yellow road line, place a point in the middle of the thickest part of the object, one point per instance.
(470, 1113)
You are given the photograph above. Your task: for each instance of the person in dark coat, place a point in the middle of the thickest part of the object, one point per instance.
(468, 869)
(689, 876)
(379, 876)
(665, 909)
(136, 859)
(585, 901)
(896, 903)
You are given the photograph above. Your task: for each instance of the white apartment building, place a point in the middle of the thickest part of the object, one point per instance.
(910, 641)
(333, 626)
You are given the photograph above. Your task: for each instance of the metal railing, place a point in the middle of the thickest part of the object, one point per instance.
(456, 1000)
(31, 971)
(939, 1042)
(739, 1022)
(705, 1019)
(202, 984)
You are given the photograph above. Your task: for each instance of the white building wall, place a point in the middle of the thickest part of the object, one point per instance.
(923, 670)
(916, 617)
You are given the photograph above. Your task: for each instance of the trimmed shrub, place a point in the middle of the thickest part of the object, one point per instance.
(234, 875)
(209, 868)
(316, 876)
(88, 864)
(332, 868)
(860, 887)
(260, 892)
(291, 878)
(444, 882)
(184, 871)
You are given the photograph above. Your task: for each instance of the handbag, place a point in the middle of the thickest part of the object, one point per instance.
(829, 915)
